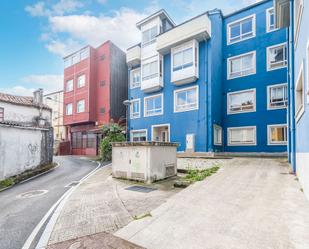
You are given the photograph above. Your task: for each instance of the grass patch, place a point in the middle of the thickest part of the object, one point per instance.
(195, 175)
(142, 216)
(25, 175)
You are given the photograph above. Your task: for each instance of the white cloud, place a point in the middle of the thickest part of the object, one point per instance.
(18, 90)
(119, 28)
(37, 9)
(63, 48)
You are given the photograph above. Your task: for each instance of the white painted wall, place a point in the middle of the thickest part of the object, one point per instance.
(20, 149)
(302, 162)
(19, 113)
(147, 162)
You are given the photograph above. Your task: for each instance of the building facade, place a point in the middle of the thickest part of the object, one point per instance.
(214, 83)
(294, 16)
(55, 101)
(26, 134)
(95, 85)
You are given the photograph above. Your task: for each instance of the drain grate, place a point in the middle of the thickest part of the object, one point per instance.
(72, 184)
(141, 189)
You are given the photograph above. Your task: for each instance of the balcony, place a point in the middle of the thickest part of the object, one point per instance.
(134, 56)
(198, 28)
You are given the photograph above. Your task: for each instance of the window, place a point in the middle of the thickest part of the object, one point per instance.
(150, 70)
(149, 36)
(277, 96)
(102, 57)
(80, 106)
(217, 135)
(270, 20)
(240, 136)
(69, 86)
(299, 95)
(135, 79)
(102, 110)
(153, 105)
(102, 83)
(276, 57)
(183, 58)
(84, 53)
(135, 108)
(277, 134)
(298, 12)
(186, 99)
(81, 81)
(242, 65)
(241, 29)
(242, 101)
(76, 57)
(139, 136)
(69, 109)
(1, 114)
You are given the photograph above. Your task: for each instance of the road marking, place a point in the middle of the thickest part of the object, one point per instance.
(36, 230)
(32, 193)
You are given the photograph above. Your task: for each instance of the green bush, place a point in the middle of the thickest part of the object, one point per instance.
(111, 133)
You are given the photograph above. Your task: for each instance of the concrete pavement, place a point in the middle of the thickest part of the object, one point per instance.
(22, 210)
(102, 205)
(249, 204)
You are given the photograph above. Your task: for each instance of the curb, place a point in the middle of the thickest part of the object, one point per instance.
(31, 178)
(52, 215)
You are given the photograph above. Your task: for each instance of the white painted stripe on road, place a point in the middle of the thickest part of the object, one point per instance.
(50, 211)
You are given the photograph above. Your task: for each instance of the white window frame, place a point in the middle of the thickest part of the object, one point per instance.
(79, 101)
(186, 89)
(229, 77)
(297, 21)
(2, 112)
(79, 78)
(181, 49)
(239, 21)
(144, 44)
(229, 112)
(240, 128)
(154, 75)
(161, 125)
(300, 111)
(140, 130)
(66, 85)
(268, 57)
(132, 84)
(66, 109)
(151, 97)
(268, 30)
(131, 108)
(219, 139)
(269, 107)
(269, 127)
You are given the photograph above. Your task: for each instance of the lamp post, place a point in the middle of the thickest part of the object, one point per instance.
(127, 103)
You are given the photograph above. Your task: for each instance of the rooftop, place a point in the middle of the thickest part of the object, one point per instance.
(162, 13)
(20, 100)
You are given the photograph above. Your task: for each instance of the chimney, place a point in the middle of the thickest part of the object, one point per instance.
(38, 97)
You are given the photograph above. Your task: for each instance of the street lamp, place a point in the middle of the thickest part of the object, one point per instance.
(127, 103)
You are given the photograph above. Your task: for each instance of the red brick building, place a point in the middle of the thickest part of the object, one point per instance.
(95, 85)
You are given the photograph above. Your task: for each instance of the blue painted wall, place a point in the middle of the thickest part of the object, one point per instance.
(262, 117)
(213, 87)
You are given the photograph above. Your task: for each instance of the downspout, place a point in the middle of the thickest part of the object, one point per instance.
(207, 81)
(292, 87)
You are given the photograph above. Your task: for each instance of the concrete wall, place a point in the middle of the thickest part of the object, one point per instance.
(19, 113)
(23, 148)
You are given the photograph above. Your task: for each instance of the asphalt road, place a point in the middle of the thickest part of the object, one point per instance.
(20, 215)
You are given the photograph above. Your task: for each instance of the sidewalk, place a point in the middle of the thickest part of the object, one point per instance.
(100, 206)
(249, 204)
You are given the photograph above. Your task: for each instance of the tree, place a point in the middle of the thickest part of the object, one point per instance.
(112, 132)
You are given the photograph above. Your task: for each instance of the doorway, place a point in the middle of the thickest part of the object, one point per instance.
(161, 133)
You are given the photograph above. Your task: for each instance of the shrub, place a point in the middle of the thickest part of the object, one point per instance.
(112, 132)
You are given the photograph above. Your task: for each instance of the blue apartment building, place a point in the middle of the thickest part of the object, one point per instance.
(293, 15)
(214, 83)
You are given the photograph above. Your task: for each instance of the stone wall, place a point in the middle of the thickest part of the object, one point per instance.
(23, 148)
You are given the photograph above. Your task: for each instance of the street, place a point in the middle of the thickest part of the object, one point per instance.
(21, 213)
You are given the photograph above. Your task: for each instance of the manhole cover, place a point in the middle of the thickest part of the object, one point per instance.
(32, 193)
(140, 189)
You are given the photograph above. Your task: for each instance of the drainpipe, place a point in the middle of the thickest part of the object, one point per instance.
(292, 88)
(208, 103)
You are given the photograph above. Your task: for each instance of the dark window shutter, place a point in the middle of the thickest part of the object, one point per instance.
(102, 83)
(102, 57)
(102, 110)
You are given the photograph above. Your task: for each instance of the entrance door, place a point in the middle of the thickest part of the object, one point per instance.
(164, 136)
(160, 133)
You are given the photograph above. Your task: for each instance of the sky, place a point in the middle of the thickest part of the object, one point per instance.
(36, 35)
